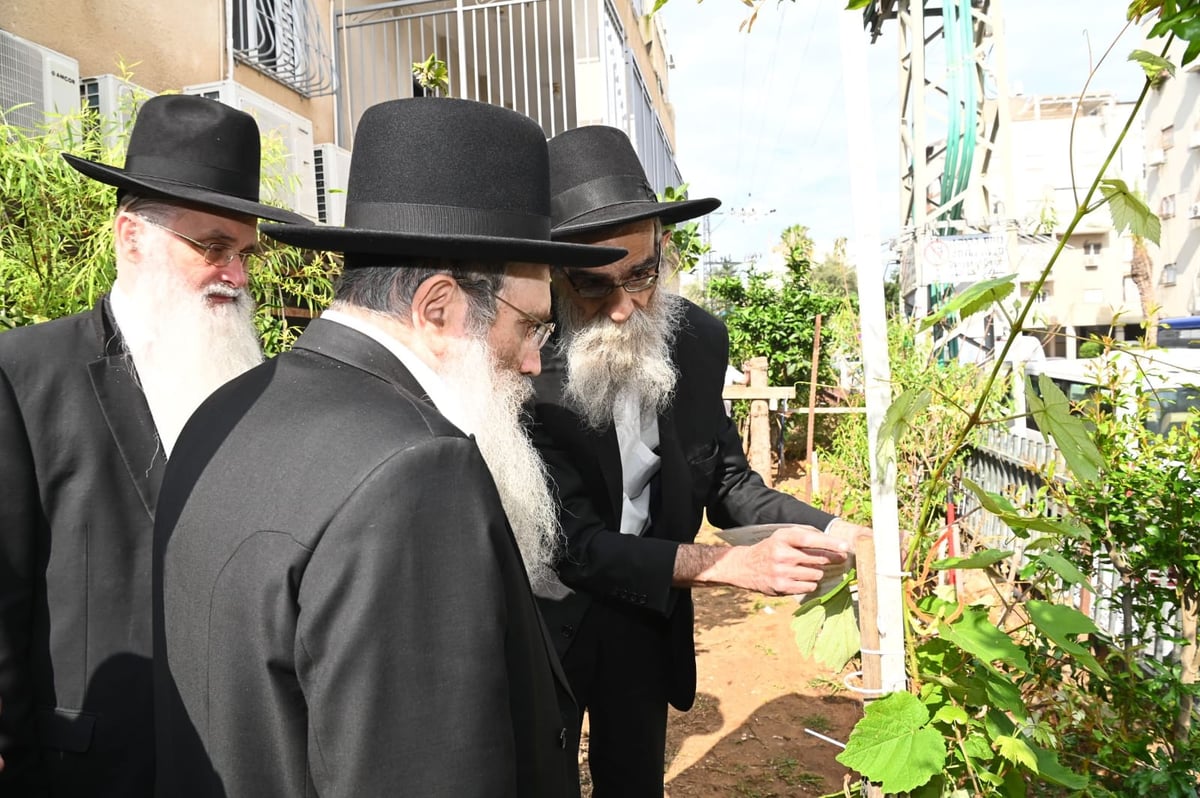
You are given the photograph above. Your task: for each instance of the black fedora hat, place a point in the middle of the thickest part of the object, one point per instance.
(596, 180)
(445, 178)
(194, 150)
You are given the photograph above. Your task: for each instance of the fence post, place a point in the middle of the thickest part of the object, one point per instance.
(760, 422)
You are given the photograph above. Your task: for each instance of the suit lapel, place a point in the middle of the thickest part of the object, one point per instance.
(126, 412)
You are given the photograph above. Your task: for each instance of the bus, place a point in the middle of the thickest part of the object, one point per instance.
(1179, 333)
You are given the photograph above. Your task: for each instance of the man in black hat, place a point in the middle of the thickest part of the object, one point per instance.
(89, 408)
(342, 605)
(629, 417)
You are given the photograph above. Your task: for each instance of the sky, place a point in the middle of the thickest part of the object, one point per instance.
(760, 116)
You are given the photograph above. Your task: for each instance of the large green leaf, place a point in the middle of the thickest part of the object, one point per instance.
(979, 296)
(974, 633)
(984, 558)
(898, 418)
(1052, 412)
(1052, 770)
(894, 744)
(1062, 625)
(827, 629)
(1003, 509)
(1129, 212)
(1064, 568)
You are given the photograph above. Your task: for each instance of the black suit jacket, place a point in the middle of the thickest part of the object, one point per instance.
(702, 469)
(340, 606)
(80, 466)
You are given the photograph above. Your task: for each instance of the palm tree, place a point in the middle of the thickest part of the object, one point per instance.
(1141, 270)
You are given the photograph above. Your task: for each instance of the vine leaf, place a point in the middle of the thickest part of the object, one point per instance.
(1052, 412)
(1129, 212)
(1155, 66)
(1003, 509)
(894, 744)
(979, 296)
(975, 633)
(899, 417)
(1017, 751)
(1062, 624)
(827, 629)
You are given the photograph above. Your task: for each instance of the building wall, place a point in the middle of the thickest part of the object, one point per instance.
(166, 44)
(1173, 188)
(1088, 286)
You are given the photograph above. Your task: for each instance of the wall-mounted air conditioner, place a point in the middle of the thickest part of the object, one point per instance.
(42, 81)
(115, 102)
(1155, 156)
(332, 167)
(295, 186)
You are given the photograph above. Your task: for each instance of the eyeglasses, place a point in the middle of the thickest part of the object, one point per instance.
(539, 331)
(644, 276)
(215, 254)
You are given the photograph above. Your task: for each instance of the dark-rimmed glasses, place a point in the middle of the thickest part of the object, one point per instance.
(539, 331)
(215, 254)
(642, 278)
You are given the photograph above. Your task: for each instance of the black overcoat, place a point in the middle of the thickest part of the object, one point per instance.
(80, 467)
(340, 604)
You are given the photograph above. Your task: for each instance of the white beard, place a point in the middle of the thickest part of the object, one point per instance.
(605, 359)
(182, 347)
(491, 399)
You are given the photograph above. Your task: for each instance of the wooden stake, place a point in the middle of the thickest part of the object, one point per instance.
(812, 405)
(760, 423)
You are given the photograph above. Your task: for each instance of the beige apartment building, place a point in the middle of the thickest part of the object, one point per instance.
(307, 69)
(1173, 188)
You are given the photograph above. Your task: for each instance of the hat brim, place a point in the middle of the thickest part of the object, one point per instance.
(362, 241)
(185, 192)
(615, 215)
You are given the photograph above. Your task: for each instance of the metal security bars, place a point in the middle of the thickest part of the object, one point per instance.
(285, 40)
(518, 54)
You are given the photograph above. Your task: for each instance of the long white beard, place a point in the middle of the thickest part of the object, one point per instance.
(605, 359)
(492, 400)
(182, 347)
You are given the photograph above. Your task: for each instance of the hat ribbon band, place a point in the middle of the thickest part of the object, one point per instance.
(599, 193)
(197, 175)
(423, 219)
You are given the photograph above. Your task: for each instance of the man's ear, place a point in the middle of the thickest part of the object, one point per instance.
(126, 230)
(438, 312)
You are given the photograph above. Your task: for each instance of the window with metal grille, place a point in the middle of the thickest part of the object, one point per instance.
(283, 39)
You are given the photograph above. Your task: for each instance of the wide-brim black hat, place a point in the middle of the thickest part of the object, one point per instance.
(187, 148)
(445, 178)
(596, 180)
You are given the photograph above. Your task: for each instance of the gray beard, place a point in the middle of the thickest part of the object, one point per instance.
(492, 399)
(182, 347)
(605, 359)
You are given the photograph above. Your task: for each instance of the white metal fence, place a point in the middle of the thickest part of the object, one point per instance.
(1013, 466)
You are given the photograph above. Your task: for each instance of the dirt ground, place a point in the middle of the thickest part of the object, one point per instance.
(745, 737)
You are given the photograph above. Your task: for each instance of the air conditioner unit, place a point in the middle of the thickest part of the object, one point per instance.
(1091, 261)
(1194, 210)
(1156, 156)
(41, 80)
(296, 186)
(115, 101)
(332, 167)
